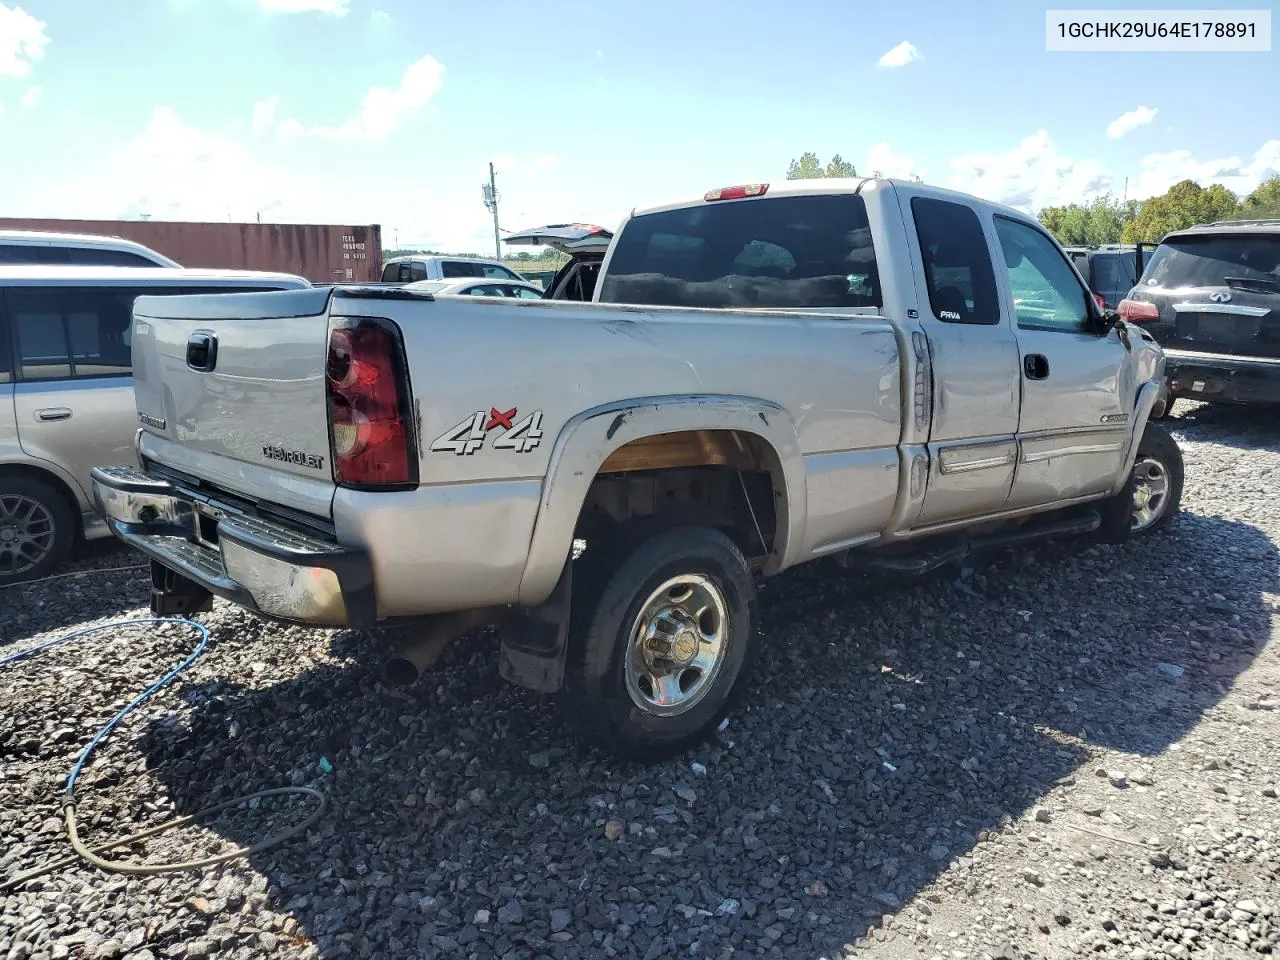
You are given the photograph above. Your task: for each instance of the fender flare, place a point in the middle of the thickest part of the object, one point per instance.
(1147, 397)
(587, 440)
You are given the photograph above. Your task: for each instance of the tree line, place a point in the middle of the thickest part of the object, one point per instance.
(1107, 219)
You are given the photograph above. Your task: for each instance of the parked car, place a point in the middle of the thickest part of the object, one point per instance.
(38, 247)
(66, 397)
(411, 269)
(1211, 296)
(1109, 269)
(890, 375)
(479, 288)
(585, 244)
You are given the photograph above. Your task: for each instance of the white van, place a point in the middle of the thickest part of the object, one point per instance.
(66, 394)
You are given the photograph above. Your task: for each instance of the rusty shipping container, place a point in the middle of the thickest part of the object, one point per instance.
(322, 253)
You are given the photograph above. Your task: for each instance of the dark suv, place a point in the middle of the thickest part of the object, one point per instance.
(1110, 271)
(1210, 295)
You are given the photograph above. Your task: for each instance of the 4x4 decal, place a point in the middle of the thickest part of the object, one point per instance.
(469, 435)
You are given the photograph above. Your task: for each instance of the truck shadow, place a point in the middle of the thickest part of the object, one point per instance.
(886, 727)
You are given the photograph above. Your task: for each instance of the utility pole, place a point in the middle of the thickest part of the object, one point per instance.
(490, 192)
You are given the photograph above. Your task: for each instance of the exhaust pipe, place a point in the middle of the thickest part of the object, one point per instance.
(413, 658)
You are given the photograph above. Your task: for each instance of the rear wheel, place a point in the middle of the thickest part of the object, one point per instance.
(660, 637)
(37, 529)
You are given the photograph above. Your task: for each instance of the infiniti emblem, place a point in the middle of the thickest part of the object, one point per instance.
(1219, 297)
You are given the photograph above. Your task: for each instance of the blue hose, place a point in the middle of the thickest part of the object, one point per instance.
(68, 793)
(137, 701)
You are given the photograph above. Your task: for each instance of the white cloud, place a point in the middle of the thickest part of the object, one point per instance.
(1030, 176)
(882, 158)
(382, 110)
(337, 8)
(22, 41)
(264, 112)
(1128, 122)
(900, 55)
(1035, 174)
(1159, 171)
(30, 96)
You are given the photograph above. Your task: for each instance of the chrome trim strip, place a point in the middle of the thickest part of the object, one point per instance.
(1237, 309)
(1042, 455)
(967, 466)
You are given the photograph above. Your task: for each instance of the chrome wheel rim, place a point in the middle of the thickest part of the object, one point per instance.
(677, 645)
(26, 533)
(1150, 493)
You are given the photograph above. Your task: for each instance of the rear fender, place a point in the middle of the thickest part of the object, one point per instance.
(588, 439)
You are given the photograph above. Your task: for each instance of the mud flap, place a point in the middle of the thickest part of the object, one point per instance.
(535, 639)
(1116, 513)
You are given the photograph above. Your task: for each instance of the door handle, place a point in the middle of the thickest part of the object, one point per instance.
(49, 414)
(1036, 366)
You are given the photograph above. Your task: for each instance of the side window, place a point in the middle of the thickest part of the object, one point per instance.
(76, 332)
(957, 266)
(6, 368)
(1046, 294)
(494, 272)
(32, 253)
(41, 336)
(103, 257)
(524, 293)
(486, 290)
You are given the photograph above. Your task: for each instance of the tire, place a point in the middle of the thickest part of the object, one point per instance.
(1157, 480)
(37, 529)
(610, 696)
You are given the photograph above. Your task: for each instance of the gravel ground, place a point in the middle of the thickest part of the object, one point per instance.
(1068, 750)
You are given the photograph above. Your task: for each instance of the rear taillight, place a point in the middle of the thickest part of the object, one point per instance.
(1102, 304)
(370, 420)
(1138, 311)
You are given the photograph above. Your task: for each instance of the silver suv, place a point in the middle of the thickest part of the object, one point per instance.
(66, 394)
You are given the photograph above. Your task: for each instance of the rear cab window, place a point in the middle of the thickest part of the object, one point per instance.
(807, 251)
(408, 271)
(957, 263)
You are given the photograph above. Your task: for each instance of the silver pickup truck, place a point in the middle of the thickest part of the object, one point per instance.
(872, 371)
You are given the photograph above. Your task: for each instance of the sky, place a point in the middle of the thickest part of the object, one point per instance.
(389, 111)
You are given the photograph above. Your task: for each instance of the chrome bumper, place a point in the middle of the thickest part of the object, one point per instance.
(264, 566)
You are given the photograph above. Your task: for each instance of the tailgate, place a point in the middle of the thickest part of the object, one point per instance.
(230, 389)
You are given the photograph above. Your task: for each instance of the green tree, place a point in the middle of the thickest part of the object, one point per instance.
(809, 167)
(1184, 205)
(1101, 221)
(1263, 203)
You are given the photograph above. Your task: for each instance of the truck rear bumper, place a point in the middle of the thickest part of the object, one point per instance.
(1222, 378)
(266, 567)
